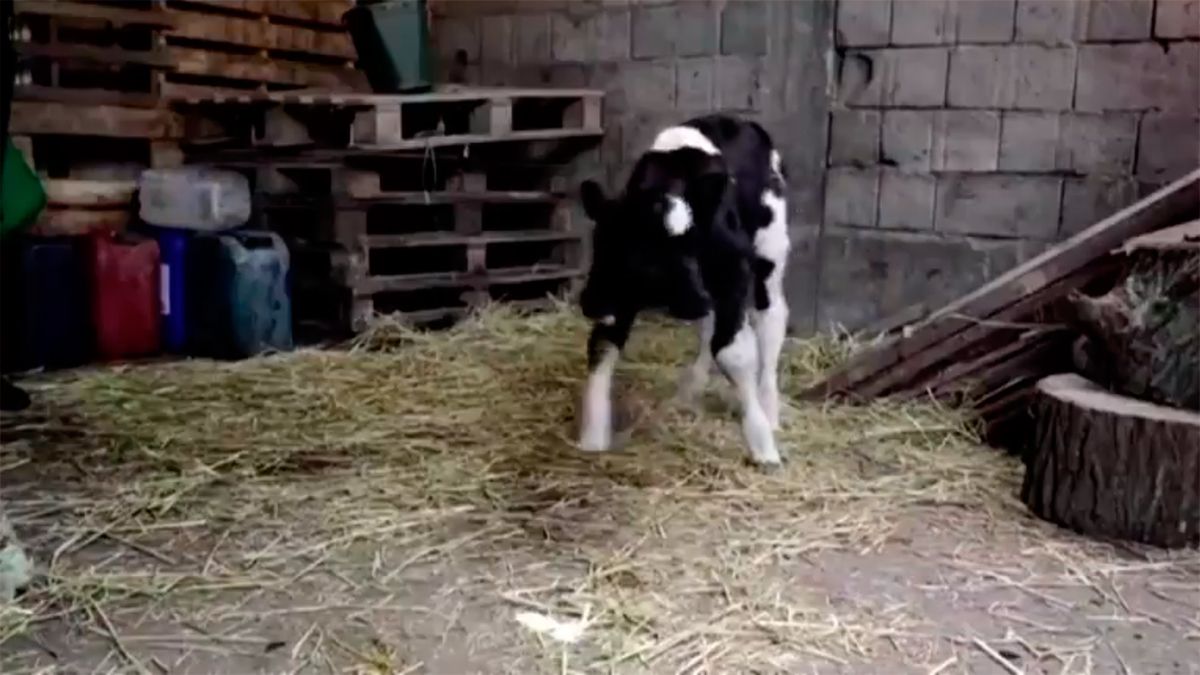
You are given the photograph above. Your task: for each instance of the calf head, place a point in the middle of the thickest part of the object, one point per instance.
(647, 242)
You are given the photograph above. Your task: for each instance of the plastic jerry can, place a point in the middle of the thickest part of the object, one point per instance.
(47, 318)
(125, 295)
(241, 300)
(172, 287)
(194, 198)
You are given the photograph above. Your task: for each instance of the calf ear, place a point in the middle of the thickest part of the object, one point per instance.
(595, 204)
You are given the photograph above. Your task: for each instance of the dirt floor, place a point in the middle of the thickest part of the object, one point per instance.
(417, 507)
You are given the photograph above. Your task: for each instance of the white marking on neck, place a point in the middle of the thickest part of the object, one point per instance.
(777, 164)
(677, 138)
(772, 242)
(678, 218)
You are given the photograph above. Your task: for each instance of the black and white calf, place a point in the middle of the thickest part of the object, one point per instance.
(700, 230)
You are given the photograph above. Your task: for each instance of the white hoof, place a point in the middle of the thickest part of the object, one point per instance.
(595, 441)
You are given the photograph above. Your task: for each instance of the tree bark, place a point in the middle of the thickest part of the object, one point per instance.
(1142, 338)
(1107, 465)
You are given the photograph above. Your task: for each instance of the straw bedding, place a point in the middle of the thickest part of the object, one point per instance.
(327, 488)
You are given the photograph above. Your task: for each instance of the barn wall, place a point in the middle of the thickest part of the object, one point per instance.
(932, 144)
(966, 136)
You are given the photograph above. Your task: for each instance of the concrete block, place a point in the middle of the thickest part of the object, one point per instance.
(999, 205)
(744, 28)
(685, 29)
(966, 140)
(1088, 200)
(854, 138)
(1168, 146)
(868, 275)
(1176, 19)
(894, 77)
(739, 83)
(458, 33)
(862, 23)
(1138, 76)
(921, 22)
(906, 200)
(1028, 141)
(918, 78)
(646, 86)
(851, 196)
(497, 48)
(694, 80)
(1030, 77)
(1118, 19)
(1051, 22)
(1098, 144)
(591, 37)
(908, 139)
(984, 21)
(531, 38)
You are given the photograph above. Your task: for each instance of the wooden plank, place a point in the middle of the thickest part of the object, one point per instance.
(262, 69)
(445, 94)
(419, 239)
(88, 193)
(1180, 199)
(412, 282)
(57, 222)
(135, 99)
(1184, 236)
(107, 12)
(62, 51)
(973, 331)
(30, 117)
(284, 197)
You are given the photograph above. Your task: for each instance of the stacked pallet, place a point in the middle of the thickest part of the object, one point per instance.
(260, 45)
(94, 79)
(424, 204)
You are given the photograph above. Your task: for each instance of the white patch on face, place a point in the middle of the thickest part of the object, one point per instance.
(595, 433)
(776, 164)
(678, 217)
(772, 242)
(677, 138)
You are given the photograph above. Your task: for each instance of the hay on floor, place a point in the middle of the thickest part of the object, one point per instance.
(205, 496)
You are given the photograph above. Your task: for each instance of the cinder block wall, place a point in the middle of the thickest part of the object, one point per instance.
(932, 144)
(966, 135)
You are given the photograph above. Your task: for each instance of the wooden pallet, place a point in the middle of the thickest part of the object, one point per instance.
(449, 116)
(222, 32)
(77, 52)
(255, 70)
(319, 14)
(446, 249)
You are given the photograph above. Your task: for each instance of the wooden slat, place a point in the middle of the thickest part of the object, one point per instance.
(35, 92)
(446, 94)
(417, 239)
(412, 282)
(63, 51)
(108, 12)
(928, 339)
(34, 117)
(288, 200)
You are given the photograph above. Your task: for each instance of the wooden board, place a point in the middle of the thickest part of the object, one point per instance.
(31, 118)
(65, 192)
(111, 12)
(1112, 466)
(929, 339)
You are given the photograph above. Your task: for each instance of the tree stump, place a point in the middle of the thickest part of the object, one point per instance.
(1103, 464)
(1142, 338)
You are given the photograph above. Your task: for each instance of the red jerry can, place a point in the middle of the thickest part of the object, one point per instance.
(125, 295)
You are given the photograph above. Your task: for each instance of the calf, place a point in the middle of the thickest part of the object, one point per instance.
(700, 230)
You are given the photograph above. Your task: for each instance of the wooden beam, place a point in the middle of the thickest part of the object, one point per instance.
(29, 117)
(928, 338)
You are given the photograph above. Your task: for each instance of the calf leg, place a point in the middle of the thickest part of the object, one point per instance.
(770, 327)
(695, 375)
(736, 352)
(604, 350)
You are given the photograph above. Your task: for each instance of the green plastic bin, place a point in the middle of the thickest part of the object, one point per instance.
(392, 39)
(22, 196)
